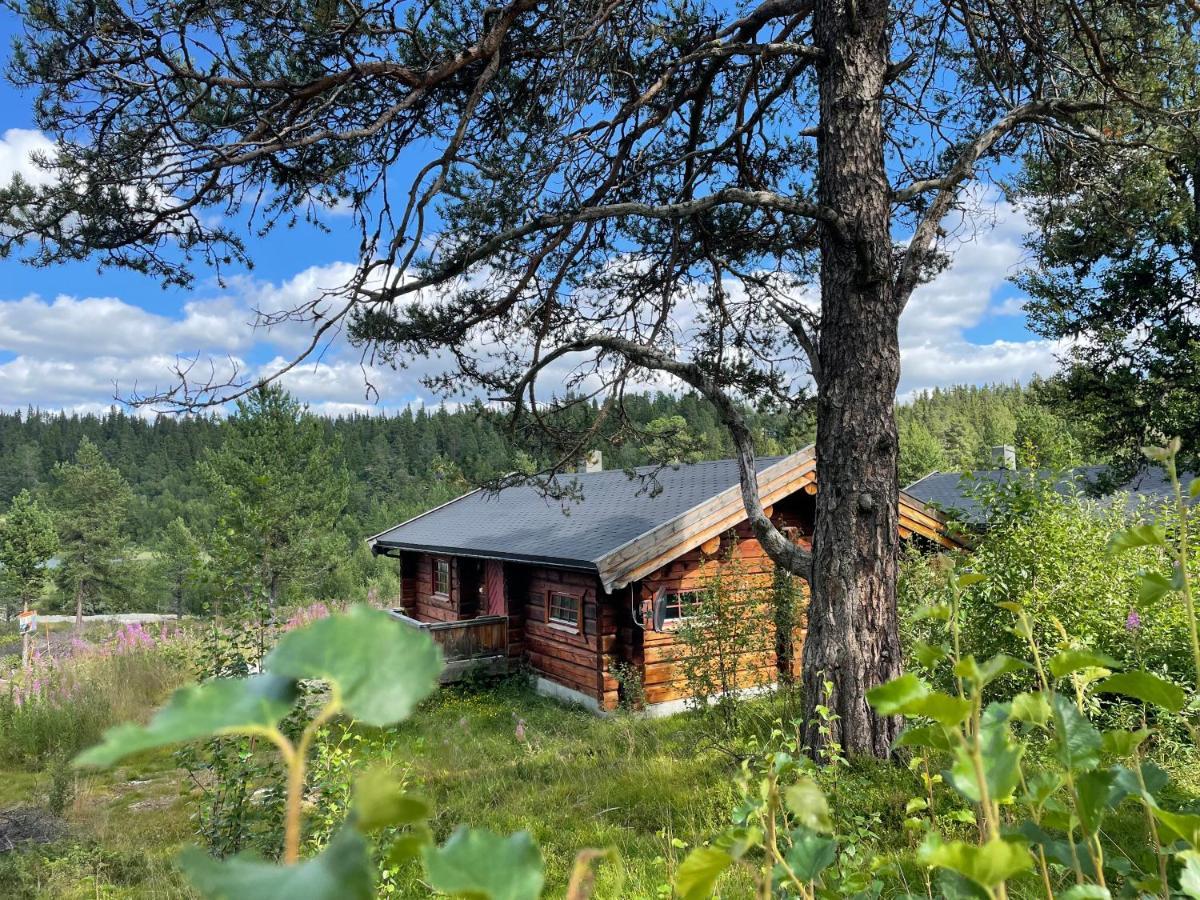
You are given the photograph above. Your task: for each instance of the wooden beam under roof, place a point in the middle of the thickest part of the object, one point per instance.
(662, 545)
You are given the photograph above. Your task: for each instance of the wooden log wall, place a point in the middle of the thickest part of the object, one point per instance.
(658, 655)
(426, 606)
(575, 658)
(582, 659)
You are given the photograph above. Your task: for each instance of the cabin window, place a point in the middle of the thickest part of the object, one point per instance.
(679, 606)
(562, 609)
(441, 577)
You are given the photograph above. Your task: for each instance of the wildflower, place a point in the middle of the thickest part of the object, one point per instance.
(520, 732)
(1133, 622)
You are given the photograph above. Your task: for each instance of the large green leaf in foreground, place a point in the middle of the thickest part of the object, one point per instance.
(481, 864)
(382, 667)
(224, 706)
(342, 871)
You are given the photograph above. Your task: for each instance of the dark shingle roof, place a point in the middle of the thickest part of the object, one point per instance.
(951, 491)
(520, 523)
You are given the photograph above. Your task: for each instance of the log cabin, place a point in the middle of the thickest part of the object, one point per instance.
(584, 588)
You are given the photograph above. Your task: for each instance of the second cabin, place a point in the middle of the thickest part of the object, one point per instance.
(602, 584)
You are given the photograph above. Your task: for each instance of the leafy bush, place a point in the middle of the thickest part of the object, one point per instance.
(1049, 552)
(375, 670)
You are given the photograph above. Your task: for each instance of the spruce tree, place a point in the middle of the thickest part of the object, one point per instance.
(27, 542)
(90, 501)
(279, 489)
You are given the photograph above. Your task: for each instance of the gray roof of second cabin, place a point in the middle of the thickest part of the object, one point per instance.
(952, 492)
(521, 523)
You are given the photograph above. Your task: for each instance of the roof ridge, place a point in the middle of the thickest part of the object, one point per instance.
(774, 457)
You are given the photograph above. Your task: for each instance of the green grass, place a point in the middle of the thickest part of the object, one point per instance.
(124, 828)
(647, 789)
(638, 786)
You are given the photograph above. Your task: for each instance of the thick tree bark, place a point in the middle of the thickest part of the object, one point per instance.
(853, 639)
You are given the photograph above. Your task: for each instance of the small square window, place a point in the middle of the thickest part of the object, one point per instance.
(563, 609)
(679, 606)
(441, 577)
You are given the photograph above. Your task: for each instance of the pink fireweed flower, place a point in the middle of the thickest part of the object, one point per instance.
(1133, 621)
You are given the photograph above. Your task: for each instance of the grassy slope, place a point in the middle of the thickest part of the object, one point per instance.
(650, 789)
(639, 786)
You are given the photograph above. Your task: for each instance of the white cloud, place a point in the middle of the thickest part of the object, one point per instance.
(934, 351)
(78, 352)
(17, 147)
(92, 327)
(81, 353)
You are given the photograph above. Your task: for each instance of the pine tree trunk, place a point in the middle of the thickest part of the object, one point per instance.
(853, 639)
(79, 604)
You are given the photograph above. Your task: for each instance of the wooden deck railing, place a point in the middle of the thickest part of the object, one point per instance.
(482, 638)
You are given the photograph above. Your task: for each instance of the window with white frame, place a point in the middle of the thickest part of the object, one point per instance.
(441, 577)
(562, 609)
(679, 605)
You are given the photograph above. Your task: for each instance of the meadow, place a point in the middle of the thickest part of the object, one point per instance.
(650, 794)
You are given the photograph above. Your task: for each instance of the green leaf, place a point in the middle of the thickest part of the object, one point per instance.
(409, 845)
(929, 655)
(484, 866)
(697, 875)
(1127, 784)
(1141, 685)
(1073, 660)
(932, 736)
(737, 841)
(806, 801)
(1137, 536)
(342, 871)
(1040, 787)
(936, 611)
(1154, 586)
(966, 579)
(982, 675)
(1122, 743)
(1180, 826)
(1189, 875)
(1031, 707)
(380, 801)
(1001, 758)
(910, 696)
(382, 667)
(810, 854)
(1093, 790)
(942, 708)
(1077, 741)
(1066, 853)
(223, 706)
(891, 699)
(1194, 488)
(987, 865)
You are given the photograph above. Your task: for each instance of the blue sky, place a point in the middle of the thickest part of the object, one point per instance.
(72, 337)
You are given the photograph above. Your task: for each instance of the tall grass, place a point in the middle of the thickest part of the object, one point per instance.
(65, 700)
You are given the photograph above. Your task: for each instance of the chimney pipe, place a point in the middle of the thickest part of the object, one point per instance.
(1004, 457)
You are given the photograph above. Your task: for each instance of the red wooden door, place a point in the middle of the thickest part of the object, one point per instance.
(495, 604)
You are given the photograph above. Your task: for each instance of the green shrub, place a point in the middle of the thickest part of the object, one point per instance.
(1049, 552)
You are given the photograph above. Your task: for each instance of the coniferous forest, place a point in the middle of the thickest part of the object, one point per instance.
(166, 504)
